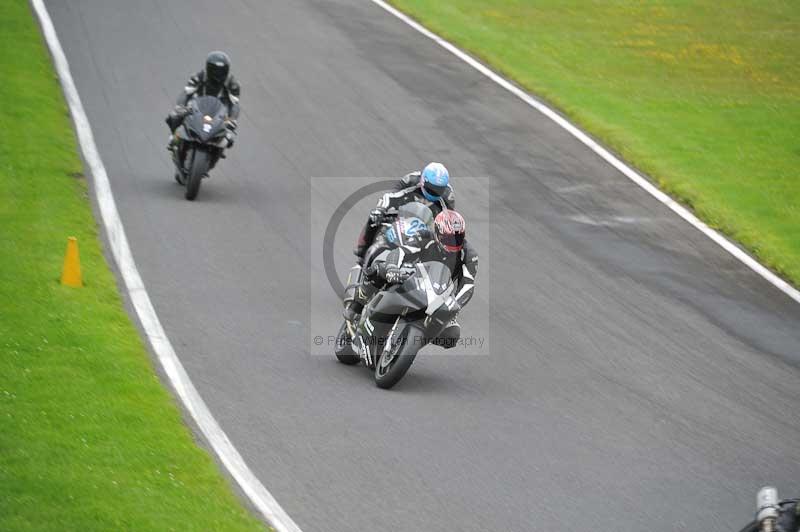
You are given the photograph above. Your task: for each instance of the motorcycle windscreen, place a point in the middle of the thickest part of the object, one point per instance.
(209, 118)
(407, 231)
(209, 105)
(435, 277)
(415, 209)
(437, 284)
(424, 290)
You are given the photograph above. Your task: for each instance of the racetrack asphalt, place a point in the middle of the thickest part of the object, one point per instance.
(638, 376)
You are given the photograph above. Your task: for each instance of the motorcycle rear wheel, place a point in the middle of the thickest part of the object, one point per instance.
(344, 347)
(197, 169)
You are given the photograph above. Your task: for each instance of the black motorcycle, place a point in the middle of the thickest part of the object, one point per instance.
(397, 321)
(202, 140)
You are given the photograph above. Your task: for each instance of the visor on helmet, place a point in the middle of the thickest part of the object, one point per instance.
(217, 71)
(433, 192)
(452, 242)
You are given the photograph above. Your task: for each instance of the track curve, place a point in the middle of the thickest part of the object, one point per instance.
(637, 374)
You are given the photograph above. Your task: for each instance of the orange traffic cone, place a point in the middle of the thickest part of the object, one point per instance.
(71, 274)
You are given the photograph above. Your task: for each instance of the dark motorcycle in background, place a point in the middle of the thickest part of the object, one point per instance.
(773, 515)
(202, 139)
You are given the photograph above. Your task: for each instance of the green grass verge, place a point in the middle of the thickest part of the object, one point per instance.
(89, 438)
(704, 96)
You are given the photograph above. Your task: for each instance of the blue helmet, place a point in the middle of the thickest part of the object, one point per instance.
(434, 181)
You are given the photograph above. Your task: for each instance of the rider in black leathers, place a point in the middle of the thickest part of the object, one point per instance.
(214, 80)
(450, 247)
(430, 187)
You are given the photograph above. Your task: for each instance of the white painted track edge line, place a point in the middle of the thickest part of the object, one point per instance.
(614, 161)
(227, 453)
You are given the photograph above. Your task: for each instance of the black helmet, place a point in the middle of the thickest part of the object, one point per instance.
(218, 64)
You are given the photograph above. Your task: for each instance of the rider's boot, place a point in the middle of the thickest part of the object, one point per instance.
(449, 336)
(352, 311)
(172, 143)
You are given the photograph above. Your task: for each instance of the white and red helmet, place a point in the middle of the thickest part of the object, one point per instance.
(449, 228)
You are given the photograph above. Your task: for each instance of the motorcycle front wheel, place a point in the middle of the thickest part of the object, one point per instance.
(395, 361)
(198, 167)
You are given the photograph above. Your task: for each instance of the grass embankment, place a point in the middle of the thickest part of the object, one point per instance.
(703, 96)
(89, 438)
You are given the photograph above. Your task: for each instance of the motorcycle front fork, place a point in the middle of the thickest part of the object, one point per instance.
(370, 351)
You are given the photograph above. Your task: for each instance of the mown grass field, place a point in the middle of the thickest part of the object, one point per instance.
(703, 96)
(89, 438)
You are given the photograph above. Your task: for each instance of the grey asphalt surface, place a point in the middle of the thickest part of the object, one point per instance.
(639, 378)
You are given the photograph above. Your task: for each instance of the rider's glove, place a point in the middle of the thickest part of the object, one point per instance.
(175, 118)
(180, 112)
(231, 124)
(395, 275)
(376, 216)
(371, 272)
